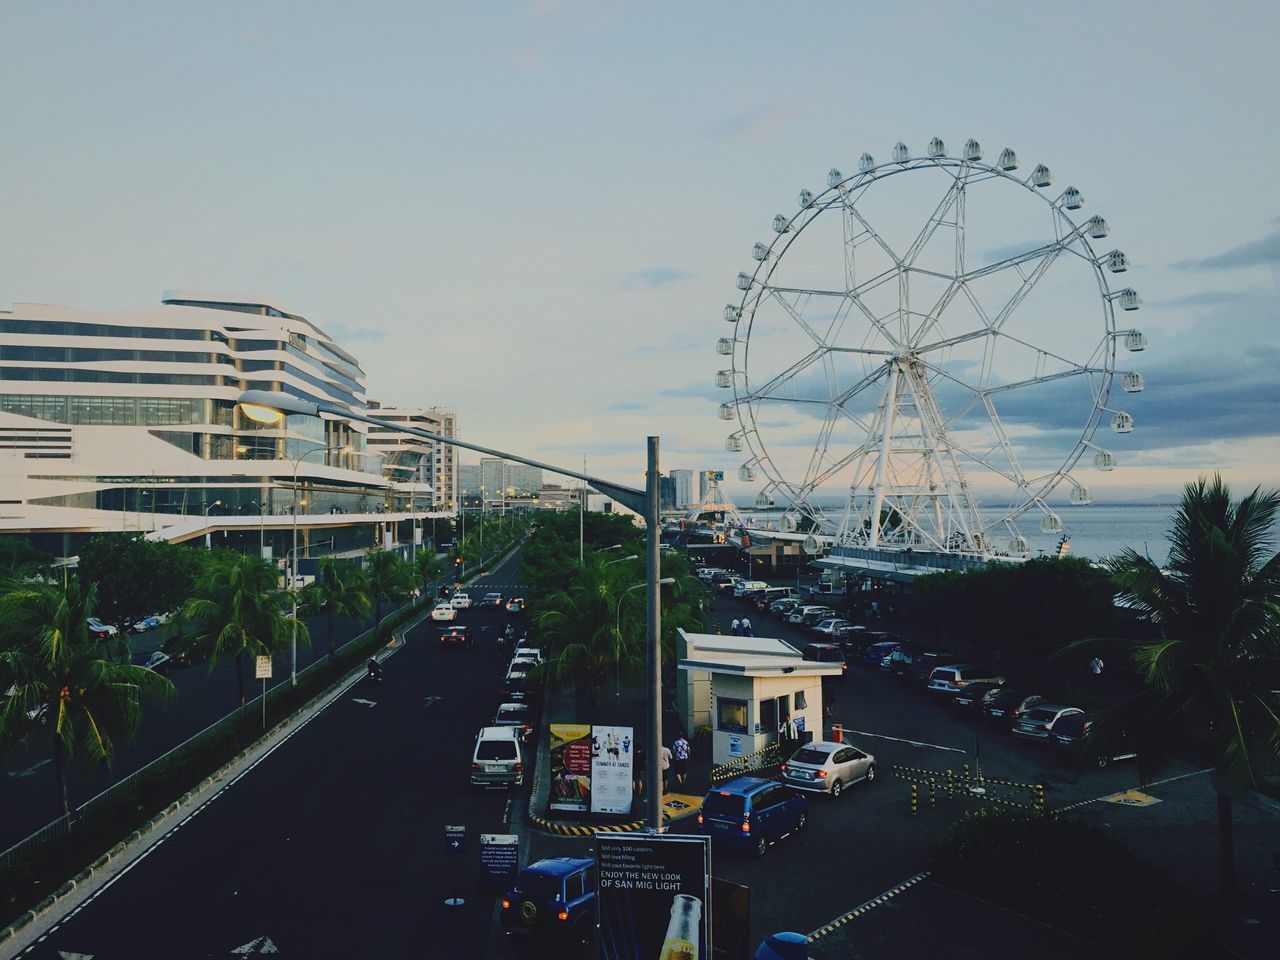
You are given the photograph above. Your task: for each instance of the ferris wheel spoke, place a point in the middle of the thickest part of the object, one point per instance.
(1028, 284)
(954, 193)
(871, 231)
(798, 318)
(1037, 253)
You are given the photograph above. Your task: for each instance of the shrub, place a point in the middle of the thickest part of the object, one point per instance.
(1077, 876)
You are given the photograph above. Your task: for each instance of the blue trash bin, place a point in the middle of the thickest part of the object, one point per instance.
(783, 946)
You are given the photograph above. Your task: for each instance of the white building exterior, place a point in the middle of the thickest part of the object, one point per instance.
(426, 469)
(684, 488)
(126, 419)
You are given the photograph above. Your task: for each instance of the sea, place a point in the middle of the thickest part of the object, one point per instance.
(1094, 531)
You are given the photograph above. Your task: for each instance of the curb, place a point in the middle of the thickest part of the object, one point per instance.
(286, 726)
(867, 907)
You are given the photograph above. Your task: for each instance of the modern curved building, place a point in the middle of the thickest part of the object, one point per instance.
(126, 419)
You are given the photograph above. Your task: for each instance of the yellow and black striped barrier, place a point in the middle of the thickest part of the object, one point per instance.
(767, 757)
(967, 786)
(583, 830)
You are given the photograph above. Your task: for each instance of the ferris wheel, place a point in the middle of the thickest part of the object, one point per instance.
(935, 335)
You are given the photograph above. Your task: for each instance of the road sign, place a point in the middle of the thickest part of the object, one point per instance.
(262, 668)
(455, 839)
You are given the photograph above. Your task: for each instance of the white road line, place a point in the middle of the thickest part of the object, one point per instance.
(914, 743)
(1148, 786)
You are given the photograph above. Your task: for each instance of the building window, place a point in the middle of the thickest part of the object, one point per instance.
(801, 703)
(731, 715)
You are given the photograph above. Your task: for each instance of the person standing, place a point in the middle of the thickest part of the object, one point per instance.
(664, 760)
(735, 628)
(680, 758)
(746, 627)
(637, 776)
(788, 734)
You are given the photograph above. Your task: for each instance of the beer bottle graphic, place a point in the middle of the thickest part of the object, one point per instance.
(682, 938)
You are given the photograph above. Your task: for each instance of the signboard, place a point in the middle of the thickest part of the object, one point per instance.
(654, 896)
(455, 839)
(716, 475)
(499, 861)
(262, 668)
(571, 766)
(735, 745)
(612, 757)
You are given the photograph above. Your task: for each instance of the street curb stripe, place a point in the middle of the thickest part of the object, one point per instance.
(576, 830)
(866, 907)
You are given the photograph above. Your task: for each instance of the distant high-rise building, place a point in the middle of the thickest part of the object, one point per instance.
(666, 493)
(500, 478)
(684, 488)
(408, 459)
(469, 479)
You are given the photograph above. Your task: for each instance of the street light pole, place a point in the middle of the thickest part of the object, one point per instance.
(265, 406)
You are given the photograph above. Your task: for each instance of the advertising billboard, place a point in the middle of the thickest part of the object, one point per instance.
(612, 757)
(571, 766)
(654, 896)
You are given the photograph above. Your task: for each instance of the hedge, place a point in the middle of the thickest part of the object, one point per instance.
(1076, 876)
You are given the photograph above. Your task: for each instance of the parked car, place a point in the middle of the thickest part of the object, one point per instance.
(515, 605)
(444, 611)
(826, 653)
(145, 624)
(784, 606)
(157, 661)
(765, 598)
(876, 653)
(517, 715)
(719, 577)
(705, 574)
(727, 586)
(1010, 705)
(99, 629)
(974, 696)
(491, 600)
(1038, 722)
(497, 760)
(828, 625)
(516, 688)
(750, 813)
(182, 650)
(956, 676)
(826, 767)
(1072, 736)
(37, 715)
(923, 664)
(456, 636)
(809, 613)
(460, 600)
(553, 905)
(745, 587)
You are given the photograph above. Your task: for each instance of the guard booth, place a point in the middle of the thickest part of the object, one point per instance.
(741, 687)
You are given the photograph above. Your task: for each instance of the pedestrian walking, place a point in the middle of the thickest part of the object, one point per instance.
(637, 783)
(680, 758)
(746, 627)
(664, 760)
(735, 628)
(875, 610)
(788, 734)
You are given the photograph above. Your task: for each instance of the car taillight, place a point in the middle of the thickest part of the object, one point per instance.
(700, 820)
(783, 768)
(822, 773)
(527, 728)
(506, 904)
(519, 766)
(563, 915)
(476, 766)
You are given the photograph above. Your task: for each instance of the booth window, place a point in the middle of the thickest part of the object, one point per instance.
(801, 703)
(731, 715)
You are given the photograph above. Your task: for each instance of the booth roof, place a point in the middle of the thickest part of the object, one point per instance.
(750, 656)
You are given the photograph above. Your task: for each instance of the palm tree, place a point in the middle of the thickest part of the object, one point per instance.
(1212, 671)
(389, 578)
(57, 671)
(340, 589)
(430, 569)
(239, 609)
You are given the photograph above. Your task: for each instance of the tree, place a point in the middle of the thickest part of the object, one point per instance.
(430, 569)
(18, 558)
(56, 669)
(1213, 670)
(389, 578)
(137, 577)
(341, 590)
(238, 609)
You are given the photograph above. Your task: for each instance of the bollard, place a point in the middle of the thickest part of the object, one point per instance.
(933, 792)
(913, 799)
(950, 786)
(837, 732)
(1038, 798)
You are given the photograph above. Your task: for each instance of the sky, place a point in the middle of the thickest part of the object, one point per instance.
(534, 212)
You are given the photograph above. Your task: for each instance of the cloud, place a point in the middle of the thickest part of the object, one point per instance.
(1210, 298)
(763, 123)
(1255, 253)
(254, 36)
(527, 60)
(344, 334)
(654, 277)
(626, 406)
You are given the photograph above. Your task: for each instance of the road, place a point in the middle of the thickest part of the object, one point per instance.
(333, 845)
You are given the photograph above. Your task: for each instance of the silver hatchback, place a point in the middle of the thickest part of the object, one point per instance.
(826, 767)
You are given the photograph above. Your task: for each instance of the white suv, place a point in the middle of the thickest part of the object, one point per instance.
(497, 760)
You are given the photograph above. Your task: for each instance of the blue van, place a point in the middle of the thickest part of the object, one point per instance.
(874, 654)
(750, 813)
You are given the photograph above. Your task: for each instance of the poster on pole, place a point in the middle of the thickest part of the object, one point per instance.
(654, 896)
(571, 766)
(612, 755)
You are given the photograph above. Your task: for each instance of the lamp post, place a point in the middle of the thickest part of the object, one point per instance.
(264, 406)
(617, 632)
(208, 537)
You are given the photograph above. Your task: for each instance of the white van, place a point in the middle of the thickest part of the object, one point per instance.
(749, 586)
(497, 760)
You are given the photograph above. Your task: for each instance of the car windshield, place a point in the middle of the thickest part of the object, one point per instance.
(513, 714)
(720, 804)
(810, 756)
(496, 750)
(1041, 716)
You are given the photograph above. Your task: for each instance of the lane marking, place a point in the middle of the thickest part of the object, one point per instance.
(1148, 786)
(867, 906)
(914, 743)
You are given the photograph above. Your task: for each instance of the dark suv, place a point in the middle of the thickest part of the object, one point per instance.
(553, 903)
(750, 813)
(826, 653)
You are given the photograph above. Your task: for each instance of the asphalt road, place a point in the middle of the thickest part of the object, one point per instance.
(28, 788)
(333, 845)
